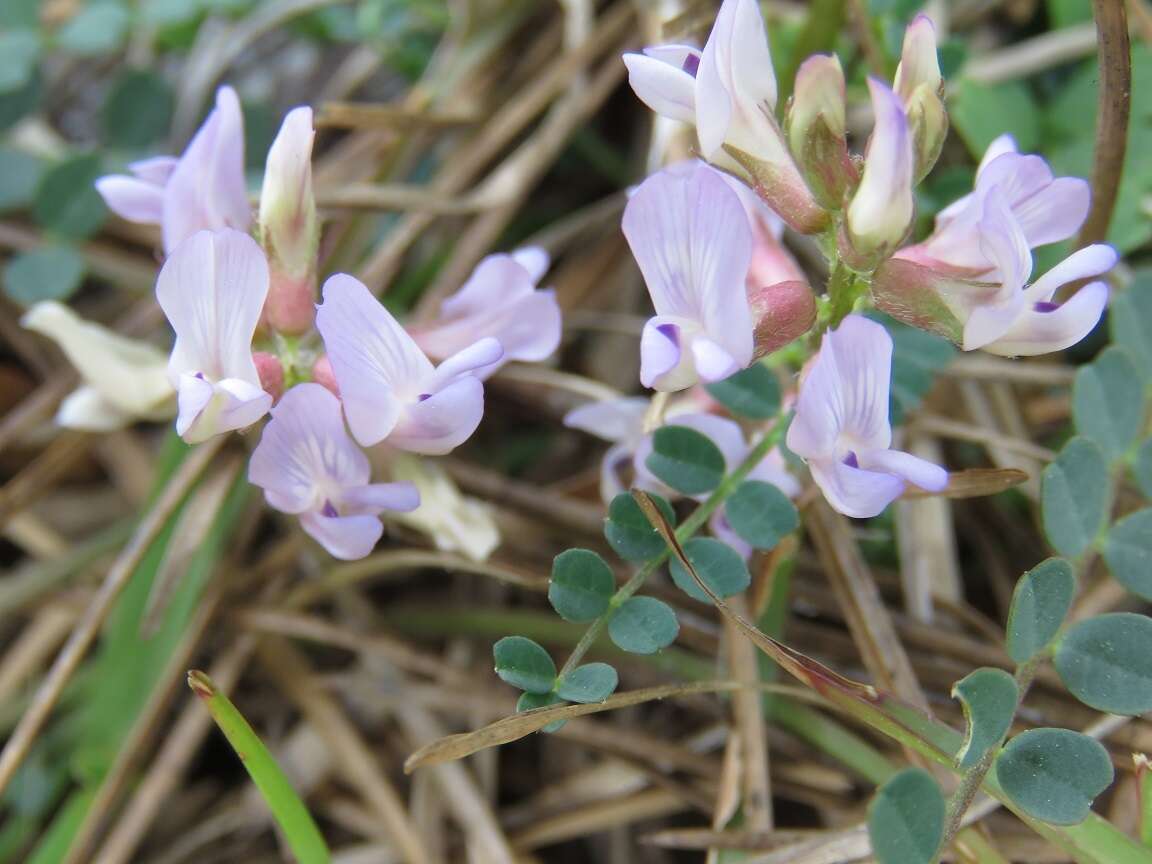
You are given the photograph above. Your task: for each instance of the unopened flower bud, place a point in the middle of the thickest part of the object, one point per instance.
(881, 211)
(289, 229)
(816, 130)
(323, 375)
(781, 313)
(271, 373)
(919, 85)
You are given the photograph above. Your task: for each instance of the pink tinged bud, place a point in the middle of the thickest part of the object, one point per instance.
(689, 234)
(390, 389)
(920, 87)
(323, 375)
(212, 288)
(499, 300)
(729, 91)
(782, 313)
(289, 229)
(203, 189)
(841, 427)
(880, 214)
(308, 466)
(271, 372)
(816, 130)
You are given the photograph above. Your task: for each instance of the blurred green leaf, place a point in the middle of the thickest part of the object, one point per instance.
(592, 682)
(629, 532)
(67, 202)
(988, 697)
(760, 514)
(1105, 662)
(1039, 604)
(97, 29)
(138, 110)
(983, 112)
(686, 460)
(20, 15)
(917, 356)
(528, 701)
(1131, 321)
(718, 565)
(1054, 774)
(753, 393)
(18, 179)
(906, 819)
(1142, 468)
(47, 273)
(643, 625)
(19, 54)
(1074, 497)
(581, 586)
(1128, 551)
(524, 664)
(1067, 13)
(15, 105)
(1108, 402)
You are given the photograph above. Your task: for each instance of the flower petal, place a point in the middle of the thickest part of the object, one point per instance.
(881, 209)
(345, 537)
(853, 491)
(375, 498)
(1036, 332)
(665, 88)
(915, 470)
(132, 199)
(611, 420)
(1082, 264)
(441, 422)
(534, 259)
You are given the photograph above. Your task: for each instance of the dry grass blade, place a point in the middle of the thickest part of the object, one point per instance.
(974, 483)
(525, 723)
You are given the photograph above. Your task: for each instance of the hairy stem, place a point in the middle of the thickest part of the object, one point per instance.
(690, 526)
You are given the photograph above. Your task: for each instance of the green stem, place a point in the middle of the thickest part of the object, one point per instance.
(972, 780)
(688, 528)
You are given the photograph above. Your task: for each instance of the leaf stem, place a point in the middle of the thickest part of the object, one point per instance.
(688, 528)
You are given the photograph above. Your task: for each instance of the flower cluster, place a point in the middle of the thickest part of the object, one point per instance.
(726, 293)
(251, 341)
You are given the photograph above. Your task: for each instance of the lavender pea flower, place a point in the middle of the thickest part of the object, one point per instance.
(389, 388)
(212, 288)
(308, 466)
(203, 189)
(500, 299)
(690, 236)
(841, 427)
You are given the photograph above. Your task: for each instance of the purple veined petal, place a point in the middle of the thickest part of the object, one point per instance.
(1056, 212)
(374, 498)
(881, 208)
(610, 420)
(305, 449)
(132, 199)
(712, 362)
(534, 259)
(212, 289)
(853, 491)
(207, 189)
(1018, 176)
(443, 421)
(665, 88)
(345, 537)
(156, 170)
(1042, 331)
(497, 279)
(1005, 143)
(1004, 246)
(377, 365)
(527, 328)
(664, 364)
(480, 355)
(1084, 263)
(913, 469)
(736, 74)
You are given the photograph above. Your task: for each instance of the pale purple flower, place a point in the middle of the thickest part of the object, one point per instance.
(690, 236)
(880, 212)
(212, 288)
(389, 388)
(500, 299)
(203, 189)
(308, 466)
(1047, 208)
(993, 307)
(841, 427)
(620, 422)
(729, 91)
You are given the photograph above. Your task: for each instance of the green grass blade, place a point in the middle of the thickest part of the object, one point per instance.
(289, 811)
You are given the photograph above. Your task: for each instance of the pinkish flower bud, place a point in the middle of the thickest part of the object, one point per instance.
(289, 230)
(271, 373)
(920, 86)
(816, 130)
(782, 313)
(323, 375)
